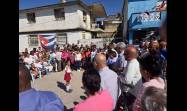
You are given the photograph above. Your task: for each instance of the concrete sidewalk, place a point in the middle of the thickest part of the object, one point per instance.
(55, 82)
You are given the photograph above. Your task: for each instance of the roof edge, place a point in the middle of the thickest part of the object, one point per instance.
(55, 5)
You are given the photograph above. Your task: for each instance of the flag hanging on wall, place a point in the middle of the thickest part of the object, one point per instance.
(48, 41)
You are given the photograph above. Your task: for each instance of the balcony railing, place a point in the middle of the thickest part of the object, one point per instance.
(146, 19)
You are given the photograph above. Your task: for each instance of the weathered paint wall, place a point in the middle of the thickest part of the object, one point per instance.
(72, 37)
(45, 20)
(139, 7)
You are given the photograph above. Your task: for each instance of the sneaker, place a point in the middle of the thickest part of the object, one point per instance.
(68, 88)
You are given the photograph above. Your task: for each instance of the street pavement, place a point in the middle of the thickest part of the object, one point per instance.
(55, 82)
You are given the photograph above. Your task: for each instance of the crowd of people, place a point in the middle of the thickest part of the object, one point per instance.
(42, 61)
(117, 77)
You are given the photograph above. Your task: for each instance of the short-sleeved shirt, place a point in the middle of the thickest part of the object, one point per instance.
(121, 62)
(93, 53)
(102, 101)
(132, 75)
(88, 53)
(78, 57)
(64, 55)
(32, 100)
(59, 56)
(109, 82)
(158, 83)
(28, 60)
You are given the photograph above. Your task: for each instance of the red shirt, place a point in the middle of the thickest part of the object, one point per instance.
(88, 54)
(83, 55)
(65, 55)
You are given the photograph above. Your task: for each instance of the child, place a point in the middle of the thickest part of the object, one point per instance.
(67, 76)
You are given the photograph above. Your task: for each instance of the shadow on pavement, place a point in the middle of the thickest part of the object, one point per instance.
(65, 109)
(75, 102)
(82, 87)
(83, 97)
(71, 109)
(61, 85)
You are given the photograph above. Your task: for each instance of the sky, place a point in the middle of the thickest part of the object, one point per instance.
(111, 6)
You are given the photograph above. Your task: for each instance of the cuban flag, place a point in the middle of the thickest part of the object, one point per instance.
(48, 41)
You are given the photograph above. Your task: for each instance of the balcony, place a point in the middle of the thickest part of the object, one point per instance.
(146, 20)
(95, 28)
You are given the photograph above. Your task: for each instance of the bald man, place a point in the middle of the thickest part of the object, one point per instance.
(131, 80)
(108, 77)
(32, 100)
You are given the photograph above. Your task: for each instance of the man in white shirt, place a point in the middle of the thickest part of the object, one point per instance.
(131, 79)
(59, 59)
(132, 73)
(108, 77)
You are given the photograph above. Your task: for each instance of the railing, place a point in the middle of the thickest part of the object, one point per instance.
(146, 19)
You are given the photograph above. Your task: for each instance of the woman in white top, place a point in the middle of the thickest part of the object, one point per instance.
(78, 58)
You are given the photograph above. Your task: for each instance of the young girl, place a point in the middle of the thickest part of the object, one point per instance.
(67, 76)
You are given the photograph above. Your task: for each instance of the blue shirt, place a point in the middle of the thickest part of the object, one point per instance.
(121, 62)
(32, 100)
(93, 53)
(164, 53)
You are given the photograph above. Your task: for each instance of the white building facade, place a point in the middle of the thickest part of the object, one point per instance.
(69, 21)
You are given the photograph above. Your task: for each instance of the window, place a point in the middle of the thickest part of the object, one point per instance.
(59, 14)
(33, 40)
(83, 35)
(84, 16)
(31, 17)
(61, 39)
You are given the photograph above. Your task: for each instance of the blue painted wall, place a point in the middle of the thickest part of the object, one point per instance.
(136, 7)
(140, 6)
(134, 24)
